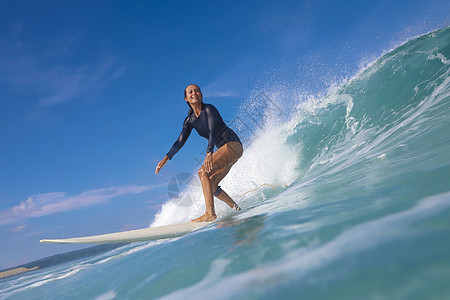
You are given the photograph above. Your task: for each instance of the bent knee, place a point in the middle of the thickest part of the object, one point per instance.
(201, 172)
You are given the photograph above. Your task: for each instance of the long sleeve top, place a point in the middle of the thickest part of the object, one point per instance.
(210, 125)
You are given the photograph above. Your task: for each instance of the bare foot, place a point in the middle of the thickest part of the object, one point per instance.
(204, 218)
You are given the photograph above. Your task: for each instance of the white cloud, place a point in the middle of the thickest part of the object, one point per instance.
(66, 84)
(228, 84)
(51, 71)
(18, 228)
(51, 203)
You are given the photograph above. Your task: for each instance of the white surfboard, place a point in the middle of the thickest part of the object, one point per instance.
(145, 234)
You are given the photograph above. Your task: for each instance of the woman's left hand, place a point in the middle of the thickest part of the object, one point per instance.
(208, 162)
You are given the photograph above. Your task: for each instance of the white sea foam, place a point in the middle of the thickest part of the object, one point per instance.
(107, 296)
(215, 272)
(54, 277)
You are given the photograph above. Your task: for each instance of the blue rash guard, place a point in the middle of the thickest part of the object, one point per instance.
(209, 124)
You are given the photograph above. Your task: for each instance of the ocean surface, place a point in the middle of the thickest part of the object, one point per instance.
(358, 205)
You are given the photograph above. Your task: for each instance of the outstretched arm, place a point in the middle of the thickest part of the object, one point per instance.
(179, 143)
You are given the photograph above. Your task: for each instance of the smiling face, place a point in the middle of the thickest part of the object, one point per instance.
(193, 95)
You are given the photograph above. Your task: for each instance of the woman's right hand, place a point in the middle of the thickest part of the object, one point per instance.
(161, 164)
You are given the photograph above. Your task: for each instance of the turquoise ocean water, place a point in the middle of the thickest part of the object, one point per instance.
(360, 207)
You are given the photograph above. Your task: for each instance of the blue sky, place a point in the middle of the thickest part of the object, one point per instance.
(91, 94)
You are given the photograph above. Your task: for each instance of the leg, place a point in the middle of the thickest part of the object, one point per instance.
(222, 195)
(228, 200)
(210, 214)
(223, 159)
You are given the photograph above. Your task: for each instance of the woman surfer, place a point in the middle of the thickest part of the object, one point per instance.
(209, 124)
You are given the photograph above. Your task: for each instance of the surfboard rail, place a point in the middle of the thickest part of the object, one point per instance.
(137, 235)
